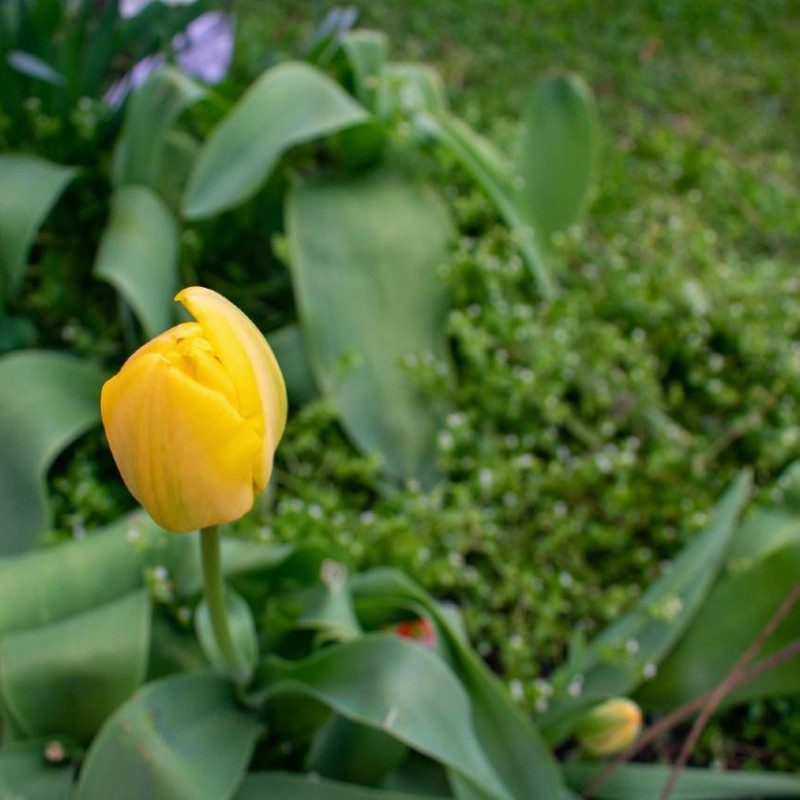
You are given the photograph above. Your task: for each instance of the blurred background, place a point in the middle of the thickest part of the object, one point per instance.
(530, 427)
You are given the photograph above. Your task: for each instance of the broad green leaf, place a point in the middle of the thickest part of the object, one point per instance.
(180, 152)
(364, 258)
(54, 583)
(396, 687)
(496, 178)
(243, 633)
(138, 255)
(179, 738)
(637, 781)
(736, 610)
(289, 347)
(29, 187)
(25, 773)
(152, 111)
(367, 51)
(556, 151)
(509, 739)
(68, 676)
(46, 401)
(289, 104)
(288, 786)
(353, 753)
(651, 628)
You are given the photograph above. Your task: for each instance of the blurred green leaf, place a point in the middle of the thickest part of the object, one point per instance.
(47, 400)
(68, 676)
(179, 738)
(651, 628)
(25, 773)
(557, 145)
(413, 88)
(180, 153)
(243, 634)
(637, 781)
(29, 187)
(289, 347)
(54, 583)
(509, 739)
(364, 258)
(725, 627)
(287, 786)
(394, 686)
(367, 51)
(154, 107)
(289, 104)
(138, 255)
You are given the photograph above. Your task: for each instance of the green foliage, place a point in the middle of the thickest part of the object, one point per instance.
(365, 257)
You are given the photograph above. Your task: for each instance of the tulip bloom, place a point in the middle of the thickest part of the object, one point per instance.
(194, 416)
(611, 727)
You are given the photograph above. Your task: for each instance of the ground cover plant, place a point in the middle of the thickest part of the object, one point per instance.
(587, 430)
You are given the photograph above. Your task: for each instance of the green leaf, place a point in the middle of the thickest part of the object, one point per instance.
(724, 629)
(68, 676)
(180, 153)
(289, 104)
(179, 738)
(556, 151)
(54, 583)
(496, 178)
(153, 109)
(25, 773)
(29, 187)
(636, 781)
(396, 687)
(287, 786)
(47, 400)
(413, 88)
(509, 739)
(367, 51)
(652, 627)
(243, 633)
(138, 255)
(364, 259)
(289, 347)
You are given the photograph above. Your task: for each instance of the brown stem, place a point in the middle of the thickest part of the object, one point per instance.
(742, 676)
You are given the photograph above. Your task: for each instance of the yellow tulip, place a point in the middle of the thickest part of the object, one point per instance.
(610, 727)
(194, 416)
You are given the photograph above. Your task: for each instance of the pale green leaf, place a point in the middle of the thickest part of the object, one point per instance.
(367, 51)
(365, 254)
(138, 255)
(289, 104)
(25, 773)
(46, 401)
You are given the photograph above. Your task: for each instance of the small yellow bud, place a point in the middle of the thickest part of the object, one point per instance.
(611, 727)
(194, 416)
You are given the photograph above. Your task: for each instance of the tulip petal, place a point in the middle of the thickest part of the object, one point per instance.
(249, 361)
(185, 453)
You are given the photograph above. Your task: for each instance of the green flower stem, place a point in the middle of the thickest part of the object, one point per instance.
(214, 589)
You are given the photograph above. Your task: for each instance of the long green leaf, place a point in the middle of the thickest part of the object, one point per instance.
(368, 51)
(509, 739)
(287, 786)
(46, 401)
(289, 347)
(723, 630)
(289, 104)
(138, 255)
(557, 146)
(151, 113)
(67, 677)
(651, 628)
(394, 686)
(364, 258)
(179, 738)
(25, 774)
(638, 781)
(29, 187)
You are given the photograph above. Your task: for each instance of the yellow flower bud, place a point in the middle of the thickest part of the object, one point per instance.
(194, 416)
(611, 727)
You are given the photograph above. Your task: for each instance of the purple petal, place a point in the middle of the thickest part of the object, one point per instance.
(136, 77)
(205, 48)
(130, 8)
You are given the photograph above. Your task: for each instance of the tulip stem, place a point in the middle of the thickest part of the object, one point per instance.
(214, 589)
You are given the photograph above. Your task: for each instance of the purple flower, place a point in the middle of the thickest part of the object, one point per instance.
(205, 48)
(141, 71)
